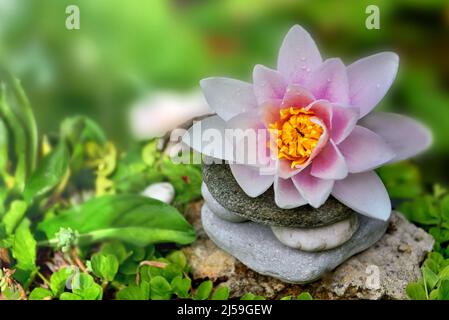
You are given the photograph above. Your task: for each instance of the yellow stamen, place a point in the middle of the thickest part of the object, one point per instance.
(296, 135)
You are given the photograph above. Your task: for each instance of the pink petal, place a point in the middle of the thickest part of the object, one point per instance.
(404, 135)
(329, 164)
(298, 56)
(269, 111)
(286, 195)
(297, 97)
(330, 82)
(344, 120)
(365, 150)
(364, 193)
(268, 84)
(323, 110)
(314, 190)
(228, 97)
(284, 169)
(252, 182)
(370, 78)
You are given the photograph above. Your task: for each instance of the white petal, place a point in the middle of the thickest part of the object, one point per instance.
(268, 84)
(330, 82)
(250, 179)
(365, 150)
(208, 137)
(370, 78)
(405, 136)
(228, 97)
(286, 195)
(364, 193)
(298, 56)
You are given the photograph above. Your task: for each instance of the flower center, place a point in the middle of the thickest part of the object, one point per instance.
(296, 135)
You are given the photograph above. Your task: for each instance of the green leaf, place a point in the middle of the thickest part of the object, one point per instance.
(160, 288)
(432, 265)
(222, 293)
(133, 219)
(444, 205)
(84, 286)
(204, 290)
(172, 271)
(105, 266)
(422, 210)
(40, 294)
(135, 293)
(444, 273)
(49, 173)
(416, 291)
(138, 253)
(4, 148)
(22, 108)
(24, 251)
(443, 290)
(304, 296)
(59, 279)
(251, 296)
(129, 267)
(181, 286)
(437, 257)
(14, 215)
(22, 156)
(441, 235)
(70, 296)
(434, 294)
(430, 277)
(186, 179)
(178, 258)
(117, 249)
(81, 129)
(78, 131)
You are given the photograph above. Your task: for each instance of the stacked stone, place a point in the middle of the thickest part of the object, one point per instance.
(294, 245)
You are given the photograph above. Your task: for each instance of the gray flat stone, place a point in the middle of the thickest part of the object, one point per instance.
(223, 187)
(256, 247)
(317, 239)
(217, 208)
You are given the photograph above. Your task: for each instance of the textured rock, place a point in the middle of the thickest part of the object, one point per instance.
(217, 208)
(398, 256)
(317, 239)
(223, 187)
(256, 246)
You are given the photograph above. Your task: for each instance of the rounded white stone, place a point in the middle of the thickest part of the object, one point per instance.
(317, 239)
(217, 208)
(162, 191)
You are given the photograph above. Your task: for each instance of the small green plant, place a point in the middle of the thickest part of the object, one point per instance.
(434, 284)
(75, 191)
(431, 212)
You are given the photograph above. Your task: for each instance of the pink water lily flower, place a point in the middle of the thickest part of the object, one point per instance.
(327, 142)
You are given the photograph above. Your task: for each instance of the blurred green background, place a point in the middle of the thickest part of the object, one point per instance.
(126, 49)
